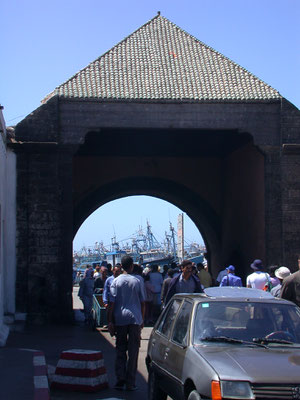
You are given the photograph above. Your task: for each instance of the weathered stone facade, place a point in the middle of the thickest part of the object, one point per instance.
(227, 165)
(160, 114)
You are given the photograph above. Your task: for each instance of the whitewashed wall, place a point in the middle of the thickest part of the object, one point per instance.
(7, 231)
(10, 235)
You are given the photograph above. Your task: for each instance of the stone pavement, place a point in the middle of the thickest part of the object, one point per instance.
(16, 361)
(16, 376)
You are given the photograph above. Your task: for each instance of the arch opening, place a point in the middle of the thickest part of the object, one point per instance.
(144, 226)
(198, 211)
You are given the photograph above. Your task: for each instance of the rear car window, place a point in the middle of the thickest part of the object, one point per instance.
(167, 320)
(180, 331)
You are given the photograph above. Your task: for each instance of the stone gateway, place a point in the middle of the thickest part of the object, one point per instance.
(159, 114)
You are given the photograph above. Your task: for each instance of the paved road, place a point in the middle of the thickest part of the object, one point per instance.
(106, 343)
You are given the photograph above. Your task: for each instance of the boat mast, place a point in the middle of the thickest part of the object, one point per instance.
(152, 242)
(139, 241)
(114, 244)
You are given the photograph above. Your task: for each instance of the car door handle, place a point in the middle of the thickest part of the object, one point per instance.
(166, 352)
(153, 342)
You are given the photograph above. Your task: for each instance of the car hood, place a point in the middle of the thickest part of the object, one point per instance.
(254, 364)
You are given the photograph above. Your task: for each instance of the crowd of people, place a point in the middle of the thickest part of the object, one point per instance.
(159, 284)
(135, 295)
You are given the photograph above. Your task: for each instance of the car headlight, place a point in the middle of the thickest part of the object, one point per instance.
(231, 390)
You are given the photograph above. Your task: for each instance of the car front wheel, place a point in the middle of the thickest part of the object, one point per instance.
(154, 391)
(194, 395)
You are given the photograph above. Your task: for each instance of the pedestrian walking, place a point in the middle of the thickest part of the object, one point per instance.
(138, 273)
(164, 271)
(126, 309)
(186, 282)
(165, 286)
(281, 273)
(100, 280)
(204, 276)
(290, 289)
(220, 276)
(273, 278)
(156, 280)
(117, 270)
(97, 272)
(86, 291)
(258, 279)
(231, 279)
(149, 296)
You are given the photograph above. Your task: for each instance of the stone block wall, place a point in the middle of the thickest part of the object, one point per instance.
(45, 194)
(290, 169)
(43, 282)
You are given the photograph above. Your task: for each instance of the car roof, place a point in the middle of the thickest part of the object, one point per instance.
(232, 293)
(238, 292)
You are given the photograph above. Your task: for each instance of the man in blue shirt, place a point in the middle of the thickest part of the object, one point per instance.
(230, 279)
(126, 310)
(117, 270)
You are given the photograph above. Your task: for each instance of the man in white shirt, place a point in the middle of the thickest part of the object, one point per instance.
(258, 279)
(221, 275)
(156, 280)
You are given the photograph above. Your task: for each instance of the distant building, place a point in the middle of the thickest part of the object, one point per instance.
(7, 233)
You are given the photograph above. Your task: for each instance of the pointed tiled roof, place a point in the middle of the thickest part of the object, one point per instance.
(160, 61)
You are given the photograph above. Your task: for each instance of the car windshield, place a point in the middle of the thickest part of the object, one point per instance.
(255, 322)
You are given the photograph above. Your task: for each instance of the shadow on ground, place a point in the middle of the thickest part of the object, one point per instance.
(52, 340)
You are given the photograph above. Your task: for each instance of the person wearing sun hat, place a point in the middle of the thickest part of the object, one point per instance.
(258, 279)
(281, 273)
(230, 279)
(290, 289)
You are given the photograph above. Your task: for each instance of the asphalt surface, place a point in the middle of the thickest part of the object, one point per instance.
(16, 378)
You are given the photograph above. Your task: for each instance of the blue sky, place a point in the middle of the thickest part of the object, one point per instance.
(123, 217)
(45, 43)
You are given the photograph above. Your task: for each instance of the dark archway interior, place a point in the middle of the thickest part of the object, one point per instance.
(166, 142)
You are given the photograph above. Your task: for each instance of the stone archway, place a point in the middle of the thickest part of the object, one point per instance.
(201, 213)
(222, 170)
(205, 133)
(212, 174)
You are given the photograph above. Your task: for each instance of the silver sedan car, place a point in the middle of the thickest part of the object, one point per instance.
(229, 343)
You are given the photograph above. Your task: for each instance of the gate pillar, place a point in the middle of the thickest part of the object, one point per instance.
(273, 206)
(44, 236)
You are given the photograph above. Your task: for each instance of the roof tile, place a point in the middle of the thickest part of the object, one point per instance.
(160, 61)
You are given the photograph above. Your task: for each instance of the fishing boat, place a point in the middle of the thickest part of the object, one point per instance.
(114, 256)
(93, 255)
(195, 253)
(154, 252)
(145, 249)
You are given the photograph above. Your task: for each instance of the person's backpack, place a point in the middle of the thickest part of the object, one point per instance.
(268, 286)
